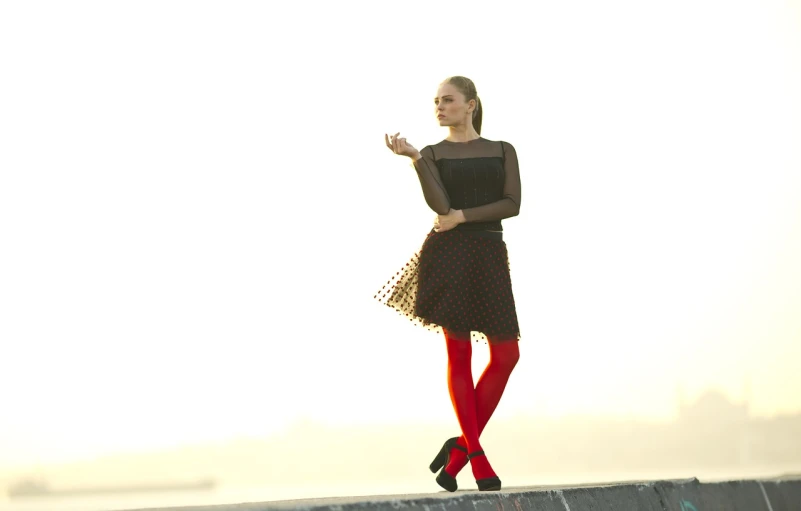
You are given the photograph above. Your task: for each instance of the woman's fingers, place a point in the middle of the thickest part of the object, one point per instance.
(390, 142)
(398, 145)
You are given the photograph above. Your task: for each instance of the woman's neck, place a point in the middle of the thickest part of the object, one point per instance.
(462, 133)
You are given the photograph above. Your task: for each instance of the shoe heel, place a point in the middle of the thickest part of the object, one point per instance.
(442, 456)
(439, 460)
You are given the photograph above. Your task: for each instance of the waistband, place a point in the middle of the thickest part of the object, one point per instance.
(492, 235)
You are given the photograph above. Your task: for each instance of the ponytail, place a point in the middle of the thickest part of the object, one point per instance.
(477, 114)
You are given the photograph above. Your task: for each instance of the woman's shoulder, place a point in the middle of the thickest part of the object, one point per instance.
(504, 145)
(507, 146)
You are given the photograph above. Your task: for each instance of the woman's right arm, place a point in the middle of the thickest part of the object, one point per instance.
(431, 182)
(427, 171)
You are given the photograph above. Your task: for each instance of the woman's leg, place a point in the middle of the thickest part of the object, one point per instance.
(504, 355)
(463, 397)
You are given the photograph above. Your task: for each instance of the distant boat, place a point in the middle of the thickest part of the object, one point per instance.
(34, 488)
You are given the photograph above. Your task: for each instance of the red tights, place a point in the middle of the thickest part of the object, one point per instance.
(474, 406)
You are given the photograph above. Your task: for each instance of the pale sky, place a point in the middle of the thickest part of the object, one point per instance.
(197, 207)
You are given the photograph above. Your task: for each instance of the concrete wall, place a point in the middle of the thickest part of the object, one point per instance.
(783, 494)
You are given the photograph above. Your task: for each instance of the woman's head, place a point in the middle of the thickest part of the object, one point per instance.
(457, 103)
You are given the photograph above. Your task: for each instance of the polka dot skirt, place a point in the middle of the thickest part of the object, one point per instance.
(458, 282)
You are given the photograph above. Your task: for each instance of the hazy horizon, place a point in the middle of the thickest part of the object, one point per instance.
(301, 424)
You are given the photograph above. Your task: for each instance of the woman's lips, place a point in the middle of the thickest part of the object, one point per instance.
(440, 116)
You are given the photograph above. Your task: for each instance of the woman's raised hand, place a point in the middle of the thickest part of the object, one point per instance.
(400, 146)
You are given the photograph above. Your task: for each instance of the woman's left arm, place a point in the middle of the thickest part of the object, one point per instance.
(509, 205)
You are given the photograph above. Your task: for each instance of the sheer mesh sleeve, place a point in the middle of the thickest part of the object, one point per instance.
(431, 182)
(509, 205)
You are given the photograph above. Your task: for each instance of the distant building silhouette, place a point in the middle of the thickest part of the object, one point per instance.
(713, 407)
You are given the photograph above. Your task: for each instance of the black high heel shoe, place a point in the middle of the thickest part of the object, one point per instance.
(488, 483)
(444, 479)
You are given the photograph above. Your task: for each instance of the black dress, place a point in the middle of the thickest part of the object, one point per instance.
(460, 280)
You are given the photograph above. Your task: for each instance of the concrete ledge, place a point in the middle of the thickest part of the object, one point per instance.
(779, 494)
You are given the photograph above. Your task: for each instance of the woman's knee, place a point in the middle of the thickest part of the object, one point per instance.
(460, 350)
(505, 354)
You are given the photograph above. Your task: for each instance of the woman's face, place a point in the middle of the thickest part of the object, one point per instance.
(451, 108)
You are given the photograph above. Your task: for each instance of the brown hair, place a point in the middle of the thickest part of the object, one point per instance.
(468, 88)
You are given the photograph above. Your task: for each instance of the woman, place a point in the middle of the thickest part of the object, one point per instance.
(459, 282)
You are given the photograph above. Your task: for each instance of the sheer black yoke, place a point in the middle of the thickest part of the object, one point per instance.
(481, 177)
